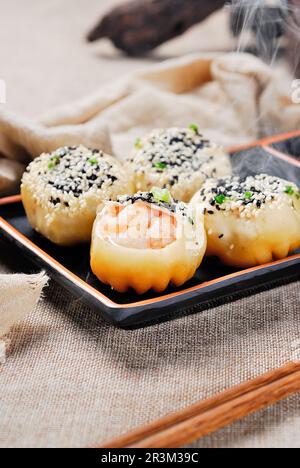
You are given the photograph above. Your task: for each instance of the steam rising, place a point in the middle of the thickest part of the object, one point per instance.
(270, 28)
(258, 160)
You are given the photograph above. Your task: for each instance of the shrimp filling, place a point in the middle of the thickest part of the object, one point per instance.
(138, 226)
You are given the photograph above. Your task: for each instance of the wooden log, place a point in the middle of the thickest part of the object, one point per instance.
(139, 26)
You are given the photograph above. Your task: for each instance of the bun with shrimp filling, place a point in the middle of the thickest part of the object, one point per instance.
(146, 241)
(250, 221)
(61, 191)
(179, 159)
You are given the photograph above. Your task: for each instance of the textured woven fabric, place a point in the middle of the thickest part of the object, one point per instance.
(72, 380)
(18, 295)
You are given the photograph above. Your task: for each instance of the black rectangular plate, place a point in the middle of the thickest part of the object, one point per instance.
(290, 146)
(212, 283)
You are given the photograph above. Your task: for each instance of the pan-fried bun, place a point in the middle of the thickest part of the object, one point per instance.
(250, 221)
(62, 191)
(178, 159)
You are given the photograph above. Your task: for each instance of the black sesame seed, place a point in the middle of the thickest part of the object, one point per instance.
(55, 201)
(92, 177)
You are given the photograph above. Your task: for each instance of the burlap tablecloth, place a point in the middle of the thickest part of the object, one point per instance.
(72, 380)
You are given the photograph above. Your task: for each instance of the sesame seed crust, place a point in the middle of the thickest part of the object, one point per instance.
(174, 206)
(65, 178)
(62, 191)
(177, 159)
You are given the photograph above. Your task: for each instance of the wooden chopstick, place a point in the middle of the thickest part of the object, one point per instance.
(208, 416)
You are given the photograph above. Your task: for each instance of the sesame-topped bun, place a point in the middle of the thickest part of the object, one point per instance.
(62, 191)
(250, 221)
(147, 241)
(177, 159)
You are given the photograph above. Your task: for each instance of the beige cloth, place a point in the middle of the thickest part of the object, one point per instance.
(73, 381)
(18, 296)
(10, 174)
(232, 97)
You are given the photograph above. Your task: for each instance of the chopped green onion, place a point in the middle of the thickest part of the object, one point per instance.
(248, 195)
(160, 165)
(289, 190)
(138, 143)
(93, 161)
(54, 160)
(194, 127)
(220, 199)
(161, 195)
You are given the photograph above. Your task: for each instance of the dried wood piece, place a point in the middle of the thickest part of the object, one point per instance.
(139, 26)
